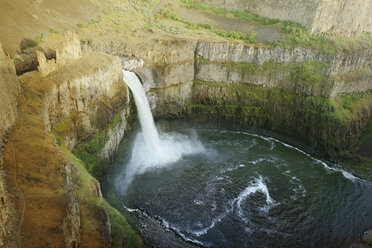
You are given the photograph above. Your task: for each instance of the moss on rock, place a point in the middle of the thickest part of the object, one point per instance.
(91, 203)
(331, 124)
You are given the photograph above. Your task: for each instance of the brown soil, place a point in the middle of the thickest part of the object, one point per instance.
(264, 33)
(36, 172)
(220, 22)
(24, 20)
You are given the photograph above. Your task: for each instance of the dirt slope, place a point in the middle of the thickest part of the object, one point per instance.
(25, 20)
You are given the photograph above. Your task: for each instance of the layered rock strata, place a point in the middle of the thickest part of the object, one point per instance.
(289, 90)
(10, 89)
(318, 16)
(74, 97)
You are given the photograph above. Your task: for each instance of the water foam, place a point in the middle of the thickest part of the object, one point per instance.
(257, 186)
(168, 226)
(300, 189)
(152, 150)
(334, 168)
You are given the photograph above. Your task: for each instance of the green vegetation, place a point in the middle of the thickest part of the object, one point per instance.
(249, 38)
(353, 75)
(53, 31)
(41, 38)
(243, 15)
(206, 26)
(27, 44)
(88, 151)
(347, 101)
(121, 230)
(165, 13)
(62, 129)
(314, 119)
(85, 160)
(307, 72)
(363, 166)
(293, 33)
(351, 104)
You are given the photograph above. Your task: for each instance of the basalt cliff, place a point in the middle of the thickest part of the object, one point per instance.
(65, 108)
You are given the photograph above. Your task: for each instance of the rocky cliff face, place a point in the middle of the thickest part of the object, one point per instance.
(9, 91)
(81, 94)
(75, 97)
(342, 17)
(235, 63)
(8, 113)
(318, 16)
(240, 84)
(169, 80)
(237, 52)
(286, 90)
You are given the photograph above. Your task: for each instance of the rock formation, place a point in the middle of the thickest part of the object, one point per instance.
(73, 97)
(10, 89)
(318, 16)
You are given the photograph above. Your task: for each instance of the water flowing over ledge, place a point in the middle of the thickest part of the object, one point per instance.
(150, 149)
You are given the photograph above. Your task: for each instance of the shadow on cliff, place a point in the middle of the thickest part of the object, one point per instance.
(27, 60)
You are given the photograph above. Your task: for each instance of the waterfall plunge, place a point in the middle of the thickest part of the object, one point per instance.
(149, 131)
(152, 150)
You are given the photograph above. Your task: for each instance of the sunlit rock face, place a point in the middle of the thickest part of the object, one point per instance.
(74, 97)
(78, 85)
(329, 16)
(10, 88)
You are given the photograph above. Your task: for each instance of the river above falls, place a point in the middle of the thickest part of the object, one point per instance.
(248, 190)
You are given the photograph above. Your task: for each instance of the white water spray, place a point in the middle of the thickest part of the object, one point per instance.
(150, 134)
(152, 150)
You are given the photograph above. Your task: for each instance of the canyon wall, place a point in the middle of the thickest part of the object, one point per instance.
(77, 98)
(318, 16)
(10, 89)
(298, 92)
(322, 75)
(295, 91)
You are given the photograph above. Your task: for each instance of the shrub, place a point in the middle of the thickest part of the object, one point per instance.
(249, 38)
(206, 26)
(52, 31)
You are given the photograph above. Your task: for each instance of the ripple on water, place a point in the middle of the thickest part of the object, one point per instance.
(255, 191)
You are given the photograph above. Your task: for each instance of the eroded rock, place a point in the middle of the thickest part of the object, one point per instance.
(70, 49)
(318, 16)
(10, 89)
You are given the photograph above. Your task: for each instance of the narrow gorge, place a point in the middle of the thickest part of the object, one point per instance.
(262, 134)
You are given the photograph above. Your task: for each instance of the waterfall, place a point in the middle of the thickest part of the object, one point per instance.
(151, 149)
(150, 133)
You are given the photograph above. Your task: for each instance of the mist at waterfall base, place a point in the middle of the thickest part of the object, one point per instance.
(241, 189)
(152, 150)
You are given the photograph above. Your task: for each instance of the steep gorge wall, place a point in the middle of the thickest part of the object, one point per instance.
(279, 67)
(295, 91)
(297, 70)
(298, 92)
(318, 16)
(78, 97)
(10, 89)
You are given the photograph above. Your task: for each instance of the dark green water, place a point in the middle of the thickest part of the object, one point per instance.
(252, 191)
